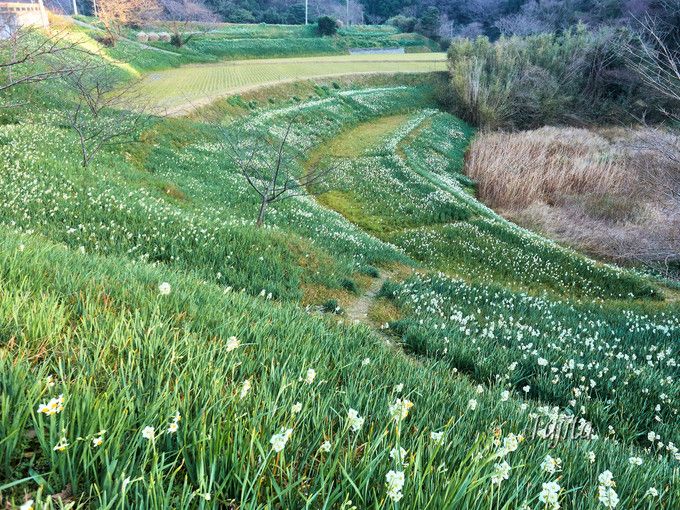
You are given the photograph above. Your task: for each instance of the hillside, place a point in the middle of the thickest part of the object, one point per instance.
(194, 360)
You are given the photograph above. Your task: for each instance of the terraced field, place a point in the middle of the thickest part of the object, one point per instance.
(179, 356)
(181, 89)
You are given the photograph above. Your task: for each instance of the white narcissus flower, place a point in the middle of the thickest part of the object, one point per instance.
(501, 471)
(173, 427)
(278, 441)
(550, 494)
(61, 446)
(149, 433)
(606, 478)
(28, 505)
(54, 406)
(591, 457)
(551, 465)
(297, 407)
(607, 496)
(325, 447)
(97, 441)
(605, 492)
(472, 404)
(652, 492)
(635, 461)
(164, 289)
(510, 444)
(505, 395)
(437, 437)
(400, 409)
(233, 343)
(354, 420)
(311, 375)
(399, 455)
(394, 481)
(245, 388)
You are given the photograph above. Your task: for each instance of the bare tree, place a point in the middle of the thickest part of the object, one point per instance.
(181, 14)
(114, 14)
(266, 165)
(106, 112)
(30, 55)
(656, 63)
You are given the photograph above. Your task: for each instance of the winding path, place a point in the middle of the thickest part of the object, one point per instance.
(358, 312)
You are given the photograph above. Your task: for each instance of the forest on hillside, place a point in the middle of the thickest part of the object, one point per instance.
(436, 18)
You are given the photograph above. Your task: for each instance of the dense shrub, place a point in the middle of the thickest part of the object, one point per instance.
(430, 23)
(327, 25)
(577, 76)
(403, 23)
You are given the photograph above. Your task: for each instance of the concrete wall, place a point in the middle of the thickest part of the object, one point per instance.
(13, 14)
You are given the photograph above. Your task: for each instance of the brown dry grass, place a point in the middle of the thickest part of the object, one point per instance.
(515, 170)
(614, 193)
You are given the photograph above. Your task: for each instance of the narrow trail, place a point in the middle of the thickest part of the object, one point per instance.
(358, 312)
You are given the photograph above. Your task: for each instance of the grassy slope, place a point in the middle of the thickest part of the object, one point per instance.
(379, 190)
(172, 209)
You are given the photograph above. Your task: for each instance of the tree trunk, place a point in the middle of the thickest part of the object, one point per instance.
(263, 210)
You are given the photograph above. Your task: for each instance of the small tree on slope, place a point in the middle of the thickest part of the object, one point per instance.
(105, 112)
(266, 165)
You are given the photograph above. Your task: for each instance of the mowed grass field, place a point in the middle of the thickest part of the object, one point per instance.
(181, 89)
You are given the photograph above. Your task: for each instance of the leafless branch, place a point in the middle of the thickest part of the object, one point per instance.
(30, 55)
(266, 165)
(657, 64)
(105, 113)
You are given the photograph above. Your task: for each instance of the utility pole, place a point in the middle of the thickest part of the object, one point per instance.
(94, 8)
(306, 12)
(75, 8)
(347, 15)
(43, 14)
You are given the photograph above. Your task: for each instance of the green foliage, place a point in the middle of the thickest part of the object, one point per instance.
(350, 286)
(403, 23)
(430, 23)
(331, 306)
(369, 271)
(327, 26)
(126, 358)
(542, 79)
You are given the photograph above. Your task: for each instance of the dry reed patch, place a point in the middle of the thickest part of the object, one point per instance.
(614, 193)
(517, 169)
